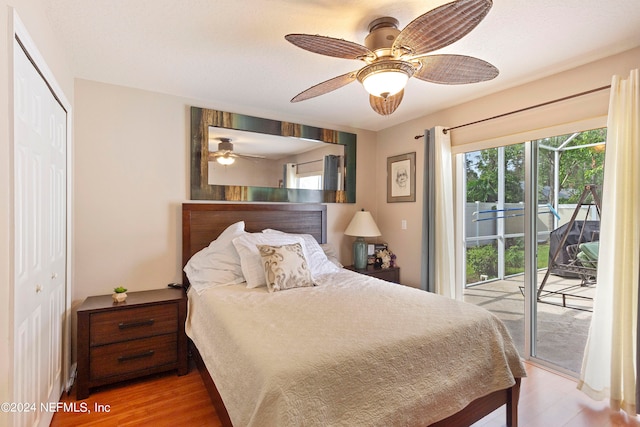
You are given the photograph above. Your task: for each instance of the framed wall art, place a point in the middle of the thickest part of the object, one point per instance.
(401, 178)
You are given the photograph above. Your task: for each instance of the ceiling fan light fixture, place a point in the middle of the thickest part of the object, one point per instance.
(225, 160)
(385, 78)
(393, 56)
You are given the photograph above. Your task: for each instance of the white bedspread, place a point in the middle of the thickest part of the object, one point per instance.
(353, 351)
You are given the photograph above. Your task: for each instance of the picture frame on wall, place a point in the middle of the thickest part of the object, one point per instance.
(401, 178)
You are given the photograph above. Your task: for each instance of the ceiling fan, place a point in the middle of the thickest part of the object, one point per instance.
(393, 56)
(225, 154)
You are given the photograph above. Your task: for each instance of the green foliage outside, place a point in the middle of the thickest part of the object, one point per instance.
(484, 260)
(576, 168)
(482, 175)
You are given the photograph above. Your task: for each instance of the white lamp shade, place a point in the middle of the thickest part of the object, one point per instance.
(385, 83)
(225, 160)
(362, 225)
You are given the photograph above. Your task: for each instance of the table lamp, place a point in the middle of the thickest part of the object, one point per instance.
(362, 225)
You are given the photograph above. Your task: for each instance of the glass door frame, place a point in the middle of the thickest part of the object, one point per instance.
(530, 240)
(530, 247)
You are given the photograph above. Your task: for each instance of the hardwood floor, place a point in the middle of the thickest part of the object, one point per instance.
(547, 400)
(158, 401)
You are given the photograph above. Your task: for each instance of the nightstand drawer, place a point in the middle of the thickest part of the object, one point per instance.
(122, 325)
(131, 356)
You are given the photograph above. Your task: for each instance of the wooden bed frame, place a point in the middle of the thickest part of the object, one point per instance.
(202, 223)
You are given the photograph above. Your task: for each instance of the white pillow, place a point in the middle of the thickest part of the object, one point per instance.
(218, 264)
(330, 252)
(285, 267)
(250, 260)
(316, 258)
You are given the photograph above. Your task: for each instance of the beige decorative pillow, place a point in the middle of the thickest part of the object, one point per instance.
(285, 267)
(250, 262)
(317, 260)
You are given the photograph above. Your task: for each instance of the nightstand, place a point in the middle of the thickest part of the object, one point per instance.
(391, 274)
(140, 336)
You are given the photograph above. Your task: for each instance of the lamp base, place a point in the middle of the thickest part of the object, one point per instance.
(360, 253)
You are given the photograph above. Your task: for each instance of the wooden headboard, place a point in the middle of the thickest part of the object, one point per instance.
(203, 222)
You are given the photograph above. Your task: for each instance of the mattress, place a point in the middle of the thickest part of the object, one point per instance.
(353, 350)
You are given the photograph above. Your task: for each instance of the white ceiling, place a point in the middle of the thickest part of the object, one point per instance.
(233, 52)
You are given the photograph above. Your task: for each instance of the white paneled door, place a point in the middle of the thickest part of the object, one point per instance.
(40, 242)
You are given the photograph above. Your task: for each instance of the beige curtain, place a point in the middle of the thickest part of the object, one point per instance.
(608, 368)
(290, 179)
(445, 263)
(438, 262)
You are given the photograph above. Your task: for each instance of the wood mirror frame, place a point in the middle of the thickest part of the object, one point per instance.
(202, 119)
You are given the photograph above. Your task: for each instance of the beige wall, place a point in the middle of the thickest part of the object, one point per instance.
(591, 109)
(131, 176)
(35, 21)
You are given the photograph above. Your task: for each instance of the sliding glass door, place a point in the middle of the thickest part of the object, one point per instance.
(569, 185)
(530, 212)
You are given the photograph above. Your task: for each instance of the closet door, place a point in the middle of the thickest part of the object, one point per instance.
(40, 241)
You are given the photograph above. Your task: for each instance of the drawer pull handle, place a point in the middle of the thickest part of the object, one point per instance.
(135, 324)
(136, 356)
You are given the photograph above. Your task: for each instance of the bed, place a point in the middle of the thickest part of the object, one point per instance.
(341, 352)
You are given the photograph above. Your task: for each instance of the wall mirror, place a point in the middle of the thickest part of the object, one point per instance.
(235, 157)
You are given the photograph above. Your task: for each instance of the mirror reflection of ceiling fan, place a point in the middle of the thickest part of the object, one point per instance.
(392, 56)
(225, 154)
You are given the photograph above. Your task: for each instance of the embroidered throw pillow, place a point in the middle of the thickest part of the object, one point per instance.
(285, 267)
(250, 261)
(316, 258)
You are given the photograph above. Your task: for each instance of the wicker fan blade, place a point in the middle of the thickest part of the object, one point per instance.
(249, 156)
(442, 26)
(325, 87)
(454, 69)
(213, 156)
(386, 106)
(330, 46)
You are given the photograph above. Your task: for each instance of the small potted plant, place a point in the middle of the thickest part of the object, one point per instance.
(119, 294)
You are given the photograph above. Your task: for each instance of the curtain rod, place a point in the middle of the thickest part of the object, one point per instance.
(310, 161)
(576, 95)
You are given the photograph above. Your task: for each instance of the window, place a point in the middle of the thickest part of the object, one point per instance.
(309, 182)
